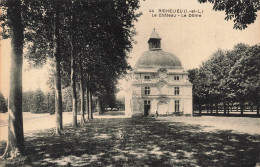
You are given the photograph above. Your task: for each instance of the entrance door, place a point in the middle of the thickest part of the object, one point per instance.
(162, 107)
(177, 105)
(147, 107)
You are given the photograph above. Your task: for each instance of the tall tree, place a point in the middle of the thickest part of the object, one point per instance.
(114, 32)
(215, 77)
(43, 23)
(82, 104)
(244, 77)
(73, 68)
(15, 143)
(57, 60)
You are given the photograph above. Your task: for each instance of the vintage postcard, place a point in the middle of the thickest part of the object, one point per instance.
(130, 83)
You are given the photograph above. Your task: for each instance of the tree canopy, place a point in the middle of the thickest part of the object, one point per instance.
(242, 13)
(228, 76)
(95, 35)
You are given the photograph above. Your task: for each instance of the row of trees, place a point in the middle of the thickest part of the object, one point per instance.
(228, 77)
(86, 41)
(44, 102)
(41, 102)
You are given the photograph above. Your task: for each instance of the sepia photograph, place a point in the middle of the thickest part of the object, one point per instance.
(130, 83)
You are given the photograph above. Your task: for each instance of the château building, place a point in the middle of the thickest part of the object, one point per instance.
(158, 82)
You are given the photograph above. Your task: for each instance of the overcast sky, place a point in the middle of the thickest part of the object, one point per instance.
(192, 39)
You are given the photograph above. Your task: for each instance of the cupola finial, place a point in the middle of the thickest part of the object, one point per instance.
(154, 41)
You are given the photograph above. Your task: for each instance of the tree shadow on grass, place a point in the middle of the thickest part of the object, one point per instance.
(140, 142)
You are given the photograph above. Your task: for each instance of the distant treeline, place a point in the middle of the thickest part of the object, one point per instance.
(39, 102)
(228, 78)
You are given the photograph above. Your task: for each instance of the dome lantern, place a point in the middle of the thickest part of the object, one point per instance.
(155, 41)
(155, 57)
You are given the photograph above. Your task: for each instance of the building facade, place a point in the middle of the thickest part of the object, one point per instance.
(158, 83)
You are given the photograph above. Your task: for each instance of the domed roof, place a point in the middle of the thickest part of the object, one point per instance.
(158, 58)
(155, 57)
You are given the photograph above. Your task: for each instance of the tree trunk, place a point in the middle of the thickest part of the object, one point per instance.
(257, 110)
(211, 108)
(82, 120)
(87, 103)
(242, 108)
(228, 107)
(225, 108)
(199, 109)
(15, 144)
(74, 92)
(90, 106)
(82, 107)
(88, 97)
(98, 107)
(73, 85)
(231, 108)
(207, 108)
(57, 78)
(216, 105)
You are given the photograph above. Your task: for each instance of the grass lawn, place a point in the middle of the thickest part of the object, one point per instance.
(140, 142)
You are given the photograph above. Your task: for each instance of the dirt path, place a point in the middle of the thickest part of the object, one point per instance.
(140, 142)
(236, 124)
(41, 122)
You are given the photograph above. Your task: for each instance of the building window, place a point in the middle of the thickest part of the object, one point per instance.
(147, 102)
(176, 78)
(177, 105)
(147, 77)
(147, 90)
(176, 90)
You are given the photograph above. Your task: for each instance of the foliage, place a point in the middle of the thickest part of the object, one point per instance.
(3, 105)
(244, 76)
(97, 33)
(38, 102)
(103, 35)
(39, 105)
(228, 76)
(67, 99)
(50, 102)
(198, 84)
(27, 101)
(120, 103)
(242, 13)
